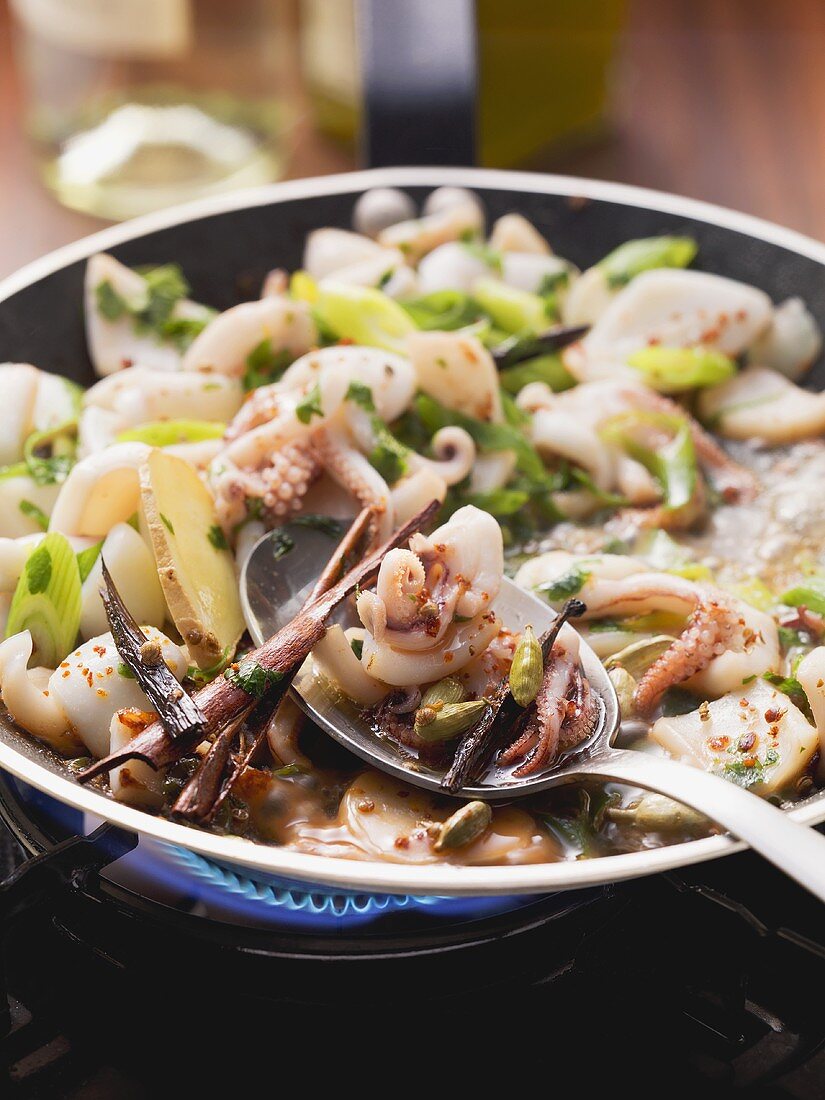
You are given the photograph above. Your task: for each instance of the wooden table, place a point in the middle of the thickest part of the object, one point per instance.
(718, 99)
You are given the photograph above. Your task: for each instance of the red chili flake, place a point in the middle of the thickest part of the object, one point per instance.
(402, 842)
(743, 702)
(719, 743)
(750, 761)
(366, 806)
(773, 715)
(448, 658)
(746, 742)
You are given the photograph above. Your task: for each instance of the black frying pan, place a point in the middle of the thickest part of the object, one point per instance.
(226, 246)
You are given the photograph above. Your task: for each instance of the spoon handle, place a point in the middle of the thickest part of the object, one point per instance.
(796, 849)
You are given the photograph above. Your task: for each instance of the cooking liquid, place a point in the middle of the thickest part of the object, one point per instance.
(775, 538)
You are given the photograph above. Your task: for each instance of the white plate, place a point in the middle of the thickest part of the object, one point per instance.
(356, 874)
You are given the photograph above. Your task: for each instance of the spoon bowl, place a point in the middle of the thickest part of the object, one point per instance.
(279, 575)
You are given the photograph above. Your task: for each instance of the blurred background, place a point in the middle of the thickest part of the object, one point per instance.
(110, 108)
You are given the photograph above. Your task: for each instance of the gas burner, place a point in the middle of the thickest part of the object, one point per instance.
(707, 978)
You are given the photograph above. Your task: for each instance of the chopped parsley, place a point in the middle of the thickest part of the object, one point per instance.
(361, 395)
(253, 678)
(39, 570)
(110, 304)
(86, 559)
(153, 311)
(264, 366)
(332, 527)
(30, 509)
(310, 406)
(357, 647)
(124, 671)
(480, 250)
(564, 586)
(217, 538)
(167, 523)
(388, 456)
(748, 772)
(282, 544)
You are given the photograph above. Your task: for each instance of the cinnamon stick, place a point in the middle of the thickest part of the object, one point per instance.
(222, 701)
(207, 790)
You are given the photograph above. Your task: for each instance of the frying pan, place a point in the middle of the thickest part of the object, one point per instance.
(225, 246)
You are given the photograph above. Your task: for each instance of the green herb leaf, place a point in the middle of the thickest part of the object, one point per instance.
(282, 544)
(86, 559)
(166, 286)
(124, 671)
(332, 527)
(30, 509)
(361, 395)
(109, 303)
(480, 250)
(264, 366)
(748, 773)
(217, 538)
(310, 405)
(181, 331)
(167, 523)
(568, 584)
(499, 502)
(253, 678)
(487, 436)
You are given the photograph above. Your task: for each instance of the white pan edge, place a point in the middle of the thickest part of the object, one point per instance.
(395, 878)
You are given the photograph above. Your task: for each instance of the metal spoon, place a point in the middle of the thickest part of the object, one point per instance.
(277, 578)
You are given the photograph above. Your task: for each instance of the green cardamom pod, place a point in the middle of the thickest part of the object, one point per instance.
(448, 690)
(464, 826)
(527, 669)
(448, 721)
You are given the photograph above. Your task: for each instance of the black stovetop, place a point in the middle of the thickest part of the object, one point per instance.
(713, 978)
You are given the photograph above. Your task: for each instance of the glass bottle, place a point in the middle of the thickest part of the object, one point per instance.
(137, 104)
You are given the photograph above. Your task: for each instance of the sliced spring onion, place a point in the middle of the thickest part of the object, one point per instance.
(544, 368)
(644, 254)
(671, 370)
(499, 502)
(303, 287)
(513, 310)
(165, 433)
(755, 592)
(363, 315)
(46, 601)
(86, 559)
(487, 436)
(443, 310)
(672, 462)
(810, 594)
